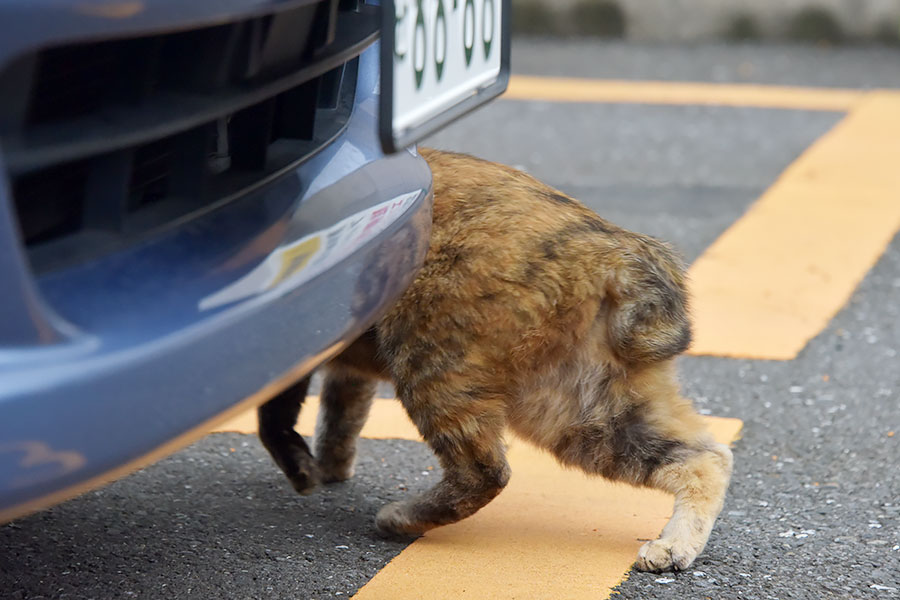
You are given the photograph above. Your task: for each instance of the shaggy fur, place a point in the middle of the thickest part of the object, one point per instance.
(532, 313)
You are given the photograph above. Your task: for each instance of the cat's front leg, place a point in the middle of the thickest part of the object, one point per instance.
(345, 403)
(277, 418)
(465, 433)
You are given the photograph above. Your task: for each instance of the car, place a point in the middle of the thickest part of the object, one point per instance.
(197, 209)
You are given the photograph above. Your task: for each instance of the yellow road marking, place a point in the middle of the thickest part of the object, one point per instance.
(552, 533)
(387, 420)
(560, 89)
(778, 275)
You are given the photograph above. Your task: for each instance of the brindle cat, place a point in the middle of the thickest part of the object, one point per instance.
(532, 313)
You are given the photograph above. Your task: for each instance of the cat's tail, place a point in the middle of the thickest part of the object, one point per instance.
(648, 320)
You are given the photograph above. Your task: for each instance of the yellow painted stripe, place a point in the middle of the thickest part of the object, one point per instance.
(560, 89)
(778, 275)
(552, 533)
(387, 420)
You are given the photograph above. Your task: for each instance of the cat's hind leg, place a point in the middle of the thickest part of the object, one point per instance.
(344, 406)
(464, 429)
(277, 418)
(640, 431)
(698, 480)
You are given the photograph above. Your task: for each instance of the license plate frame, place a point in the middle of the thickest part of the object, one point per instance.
(398, 131)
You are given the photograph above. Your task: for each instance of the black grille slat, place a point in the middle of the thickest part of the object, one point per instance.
(150, 174)
(77, 80)
(50, 204)
(113, 140)
(70, 83)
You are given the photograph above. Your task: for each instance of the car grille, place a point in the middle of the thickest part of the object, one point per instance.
(108, 141)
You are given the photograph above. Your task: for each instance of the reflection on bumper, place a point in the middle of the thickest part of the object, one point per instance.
(294, 263)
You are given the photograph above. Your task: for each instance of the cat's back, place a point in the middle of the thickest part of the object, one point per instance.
(506, 217)
(507, 255)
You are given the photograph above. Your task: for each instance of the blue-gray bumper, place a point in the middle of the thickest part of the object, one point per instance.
(104, 364)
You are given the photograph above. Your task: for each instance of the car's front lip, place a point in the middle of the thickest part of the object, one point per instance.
(146, 349)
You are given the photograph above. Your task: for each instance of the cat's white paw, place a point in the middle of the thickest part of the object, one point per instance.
(331, 473)
(666, 554)
(394, 520)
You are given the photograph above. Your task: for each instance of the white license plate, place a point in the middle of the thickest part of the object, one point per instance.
(439, 60)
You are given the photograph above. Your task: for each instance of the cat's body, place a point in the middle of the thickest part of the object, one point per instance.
(533, 313)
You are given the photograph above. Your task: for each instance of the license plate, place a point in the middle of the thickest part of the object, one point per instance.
(439, 60)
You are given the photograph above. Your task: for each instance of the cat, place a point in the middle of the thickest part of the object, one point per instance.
(530, 313)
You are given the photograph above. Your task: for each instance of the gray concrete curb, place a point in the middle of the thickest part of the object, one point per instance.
(702, 20)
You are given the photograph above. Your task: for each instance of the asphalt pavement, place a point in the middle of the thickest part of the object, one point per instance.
(814, 507)
(861, 67)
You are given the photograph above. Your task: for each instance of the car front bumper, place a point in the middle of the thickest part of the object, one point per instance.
(107, 365)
